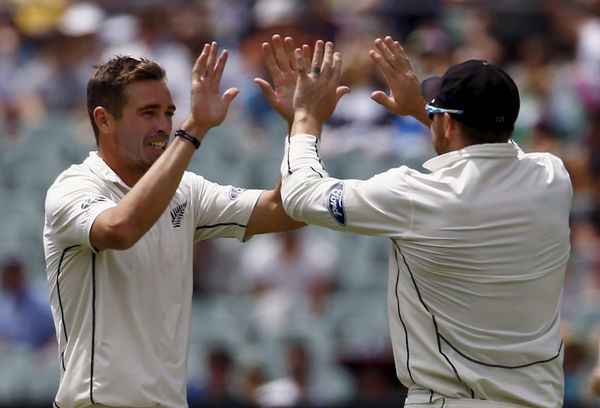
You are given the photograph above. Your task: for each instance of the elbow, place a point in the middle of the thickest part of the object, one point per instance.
(122, 241)
(115, 236)
(287, 201)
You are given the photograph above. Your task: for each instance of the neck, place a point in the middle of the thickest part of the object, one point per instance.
(129, 174)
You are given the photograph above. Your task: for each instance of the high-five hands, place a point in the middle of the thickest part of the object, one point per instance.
(208, 108)
(281, 64)
(405, 90)
(317, 90)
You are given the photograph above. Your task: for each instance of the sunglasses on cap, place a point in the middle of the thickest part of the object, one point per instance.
(430, 109)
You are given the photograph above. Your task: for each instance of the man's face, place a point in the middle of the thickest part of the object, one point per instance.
(144, 128)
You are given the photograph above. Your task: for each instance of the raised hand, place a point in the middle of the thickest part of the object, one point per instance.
(281, 64)
(317, 90)
(405, 90)
(209, 107)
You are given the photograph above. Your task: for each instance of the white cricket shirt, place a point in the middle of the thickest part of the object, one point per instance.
(478, 254)
(123, 317)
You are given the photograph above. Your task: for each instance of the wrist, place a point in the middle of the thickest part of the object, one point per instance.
(188, 137)
(194, 129)
(305, 122)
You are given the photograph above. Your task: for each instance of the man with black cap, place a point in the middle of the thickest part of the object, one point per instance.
(479, 243)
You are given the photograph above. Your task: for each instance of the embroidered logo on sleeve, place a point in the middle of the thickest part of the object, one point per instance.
(177, 214)
(234, 192)
(91, 201)
(335, 203)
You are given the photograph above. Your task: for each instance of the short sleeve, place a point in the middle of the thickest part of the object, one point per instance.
(72, 206)
(220, 211)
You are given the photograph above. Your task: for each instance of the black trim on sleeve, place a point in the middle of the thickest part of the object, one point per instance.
(93, 327)
(318, 155)
(313, 169)
(288, 155)
(222, 224)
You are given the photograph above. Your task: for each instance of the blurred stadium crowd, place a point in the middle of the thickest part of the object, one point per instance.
(296, 318)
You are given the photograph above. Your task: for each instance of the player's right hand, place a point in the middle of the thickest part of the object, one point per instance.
(317, 90)
(405, 90)
(281, 64)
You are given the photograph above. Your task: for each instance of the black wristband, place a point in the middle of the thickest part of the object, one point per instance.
(187, 136)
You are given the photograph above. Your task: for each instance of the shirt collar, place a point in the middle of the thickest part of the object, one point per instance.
(102, 170)
(486, 150)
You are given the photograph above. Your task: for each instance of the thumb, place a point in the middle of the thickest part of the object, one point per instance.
(382, 99)
(341, 91)
(229, 94)
(266, 90)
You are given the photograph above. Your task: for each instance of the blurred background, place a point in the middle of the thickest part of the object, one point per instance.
(297, 318)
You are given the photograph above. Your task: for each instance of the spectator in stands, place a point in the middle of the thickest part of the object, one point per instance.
(25, 318)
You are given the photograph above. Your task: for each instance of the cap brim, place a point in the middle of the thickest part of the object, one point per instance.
(429, 88)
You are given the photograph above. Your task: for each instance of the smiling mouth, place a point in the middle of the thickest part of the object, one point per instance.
(159, 145)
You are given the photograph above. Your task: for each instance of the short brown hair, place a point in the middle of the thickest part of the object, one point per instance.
(105, 88)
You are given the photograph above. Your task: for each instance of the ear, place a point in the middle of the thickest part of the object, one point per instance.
(104, 120)
(450, 127)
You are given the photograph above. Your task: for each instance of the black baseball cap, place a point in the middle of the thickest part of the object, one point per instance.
(486, 95)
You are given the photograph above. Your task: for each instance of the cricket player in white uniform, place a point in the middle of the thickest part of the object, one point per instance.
(478, 243)
(119, 230)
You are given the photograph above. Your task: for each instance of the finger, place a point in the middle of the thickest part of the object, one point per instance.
(317, 59)
(280, 55)
(327, 64)
(289, 46)
(385, 52)
(299, 56)
(228, 95)
(341, 91)
(218, 71)
(200, 64)
(382, 64)
(399, 53)
(337, 67)
(270, 62)
(307, 55)
(265, 88)
(382, 99)
(212, 57)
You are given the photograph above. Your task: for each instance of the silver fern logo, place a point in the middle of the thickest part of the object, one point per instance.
(177, 214)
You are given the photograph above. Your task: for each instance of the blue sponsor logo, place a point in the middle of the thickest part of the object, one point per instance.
(91, 201)
(335, 202)
(234, 192)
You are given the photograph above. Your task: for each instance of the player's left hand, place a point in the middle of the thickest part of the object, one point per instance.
(209, 107)
(281, 64)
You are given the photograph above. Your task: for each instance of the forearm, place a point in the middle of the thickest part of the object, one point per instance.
(269, 215)
(304, 180)
(122, 226)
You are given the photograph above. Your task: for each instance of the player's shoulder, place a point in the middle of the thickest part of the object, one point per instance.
(74, 174)
(543, 158)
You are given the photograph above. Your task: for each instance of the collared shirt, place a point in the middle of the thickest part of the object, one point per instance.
(478, 254)
(123, 317)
